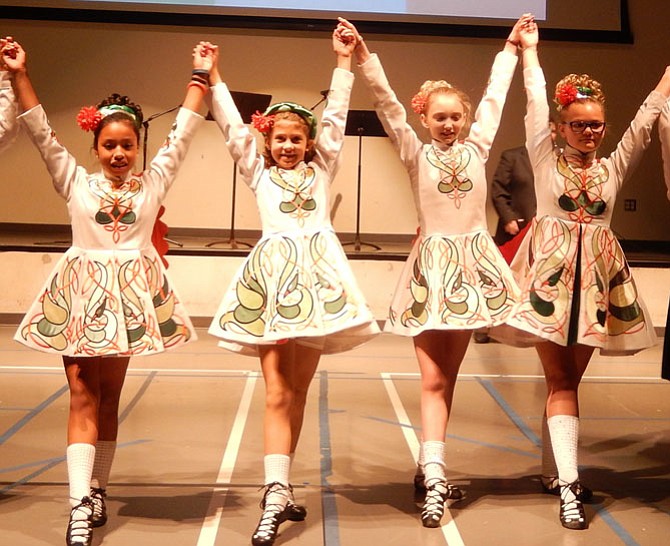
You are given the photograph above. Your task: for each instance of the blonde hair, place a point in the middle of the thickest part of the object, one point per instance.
(578, 88)
(431, 87)
(291, 116)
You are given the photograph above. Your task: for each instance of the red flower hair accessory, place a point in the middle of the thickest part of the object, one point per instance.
(89, 118)
(261, 122)
(566, 94)
(419, 103)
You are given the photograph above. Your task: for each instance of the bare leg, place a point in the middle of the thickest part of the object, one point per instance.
(276, 364)
(83, 377)
(440, 354)
(82, 433)
(112, 376)
(563, 369)
(306, 360)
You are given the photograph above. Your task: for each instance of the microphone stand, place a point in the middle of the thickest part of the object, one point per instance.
(324, 96)
(247, 104)
(362, 123)
(145, 124)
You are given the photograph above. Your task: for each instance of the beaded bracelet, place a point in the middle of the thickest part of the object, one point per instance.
(515, 44)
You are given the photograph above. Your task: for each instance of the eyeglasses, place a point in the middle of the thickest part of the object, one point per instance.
(580, 126)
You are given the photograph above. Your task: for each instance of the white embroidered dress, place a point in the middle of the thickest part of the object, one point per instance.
(455, 277)
(576, 284)
(109, 294)
(296, 281)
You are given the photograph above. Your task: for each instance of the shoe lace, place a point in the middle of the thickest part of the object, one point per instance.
(572, 508)
(436, 495)
(267, 526)
(98, 500)
(80, 525)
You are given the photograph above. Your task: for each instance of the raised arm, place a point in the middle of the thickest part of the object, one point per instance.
(391, 112)
(489, 111)
(8, 111)
(14, 58)
(637, 137)
(8, 106)
(203, 61)
(239, 140)
(664, 132)
(538, 134)
(333, 121)
(344, 43)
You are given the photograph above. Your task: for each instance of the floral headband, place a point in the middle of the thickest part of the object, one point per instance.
(89, 117)
(420, 100)
(568, 93)
(264, 122)
(418, 103)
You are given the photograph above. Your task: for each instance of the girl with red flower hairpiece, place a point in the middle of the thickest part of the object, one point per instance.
(578, 293)
(108, 298)
(455, 280)
(295, 296)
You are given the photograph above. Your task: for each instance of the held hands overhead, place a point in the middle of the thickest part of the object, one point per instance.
(12, 55)
(528, 33)
(526, 21)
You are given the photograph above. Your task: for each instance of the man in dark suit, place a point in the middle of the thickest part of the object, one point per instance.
(513, 195)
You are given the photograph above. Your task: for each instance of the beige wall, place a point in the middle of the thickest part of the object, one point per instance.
(75, 64)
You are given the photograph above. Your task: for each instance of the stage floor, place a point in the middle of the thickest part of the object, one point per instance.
(189, 460)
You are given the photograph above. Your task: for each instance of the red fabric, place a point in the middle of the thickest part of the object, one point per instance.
(509, 249)
(158, 237)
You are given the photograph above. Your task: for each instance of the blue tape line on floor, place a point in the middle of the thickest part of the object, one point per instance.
(331, 530)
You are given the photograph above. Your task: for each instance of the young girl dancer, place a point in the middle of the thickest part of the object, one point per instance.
(295, 297)
(108, 297)
(578, 292)
(8, 107)
(455, 279)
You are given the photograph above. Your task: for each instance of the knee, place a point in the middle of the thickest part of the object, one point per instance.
(278, 400)
(83, 399)
(562, 383)
(434, 384)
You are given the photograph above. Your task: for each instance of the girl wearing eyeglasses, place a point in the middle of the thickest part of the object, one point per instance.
(577, 290)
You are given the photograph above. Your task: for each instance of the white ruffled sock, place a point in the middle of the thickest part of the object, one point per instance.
(104, 457)
(564, 431)
(80, 459)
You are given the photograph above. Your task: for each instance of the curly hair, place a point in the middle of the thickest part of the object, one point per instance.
(431, 87)
(119, 100)
(578, 88)
(291, 116)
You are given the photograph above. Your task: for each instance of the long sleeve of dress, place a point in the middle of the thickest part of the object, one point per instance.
(165, 164)
(391, 113)
(61, 165)
(241, 143)
(333, 122)
(538, 133)
(664, 132)
(8, 111)
(637, 137)
(490, 109)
